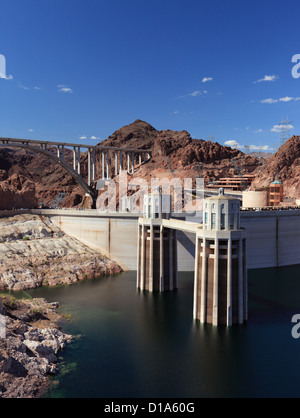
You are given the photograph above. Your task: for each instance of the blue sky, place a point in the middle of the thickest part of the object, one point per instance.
(84, 68)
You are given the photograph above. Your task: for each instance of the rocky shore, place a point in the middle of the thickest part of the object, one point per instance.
(29, 342)
(34, 252)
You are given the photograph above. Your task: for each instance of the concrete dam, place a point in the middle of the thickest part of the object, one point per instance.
(273, 237)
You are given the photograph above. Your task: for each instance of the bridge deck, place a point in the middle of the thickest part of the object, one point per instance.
(71, 145)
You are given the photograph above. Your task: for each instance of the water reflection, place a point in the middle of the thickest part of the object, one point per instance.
(137, 344)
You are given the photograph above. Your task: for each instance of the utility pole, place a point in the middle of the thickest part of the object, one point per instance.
(247, 149)
(284, 131)
(211, 138)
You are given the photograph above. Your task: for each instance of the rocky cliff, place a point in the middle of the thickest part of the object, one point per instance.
(28, 178)
(284, 164)
(16, 191)
(28, 353)
(34, 252)
(176, 153)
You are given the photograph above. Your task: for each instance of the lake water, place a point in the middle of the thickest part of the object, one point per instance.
(142, 345)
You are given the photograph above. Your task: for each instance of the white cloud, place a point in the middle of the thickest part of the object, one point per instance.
(83, 137)
(232, 144)
(258, 131)
(175, 112)
(30, 130)
(286, 99)
(23, 87)
(195, 93)
(269, 101)
(236, 145)
(64, 89)
(206, 79)
(279, 128)
(266, 78)
(94, 137)
(259, 148)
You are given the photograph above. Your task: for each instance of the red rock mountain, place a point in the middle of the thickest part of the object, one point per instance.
(28, 178)
(174, 153)
(284, 164)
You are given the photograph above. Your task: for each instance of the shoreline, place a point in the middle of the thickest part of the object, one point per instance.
(28, 353)
(34, 253)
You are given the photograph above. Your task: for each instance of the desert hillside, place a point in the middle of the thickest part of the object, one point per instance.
(28, 179)
(284, 164)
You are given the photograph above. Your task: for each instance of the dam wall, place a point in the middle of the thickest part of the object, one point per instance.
(273, 237)
(114, 234)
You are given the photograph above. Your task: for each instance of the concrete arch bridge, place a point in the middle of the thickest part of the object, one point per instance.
(121, 158)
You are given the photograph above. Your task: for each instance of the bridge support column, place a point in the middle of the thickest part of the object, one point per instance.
(78, 160)
(157, 257)
(116, 163)
(94, 164)
(107, 164)
(132, 163)
(89, 166)
(74, 159)
(120, 166)
(103, 165)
